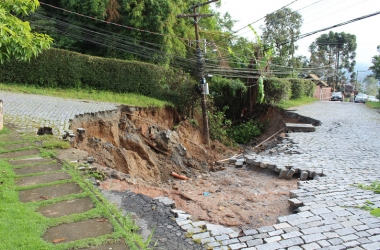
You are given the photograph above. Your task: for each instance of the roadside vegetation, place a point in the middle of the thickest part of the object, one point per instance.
(131, 99)
(286, 104)
(375, 105)
(22, 227)
(370, 206)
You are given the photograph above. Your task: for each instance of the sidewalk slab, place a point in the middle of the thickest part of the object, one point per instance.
(41, 179)
(17, 146)
(78, 230)
(18, 154)
(30, 161)
(49, 192)
(63, 208)
(38, 169)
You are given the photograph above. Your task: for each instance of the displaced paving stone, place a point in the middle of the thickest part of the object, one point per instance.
(38, 169)
(78, 230)
(41, 179)
(49, 192)
(63, 208)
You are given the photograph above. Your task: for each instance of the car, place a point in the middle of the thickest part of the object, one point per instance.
(337, 96)
(372, 98)
(362, 98)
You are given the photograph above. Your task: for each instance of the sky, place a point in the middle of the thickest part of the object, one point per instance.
(316, 14)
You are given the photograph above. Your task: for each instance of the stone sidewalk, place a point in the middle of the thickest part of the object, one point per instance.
(34, 111)
(346, 147)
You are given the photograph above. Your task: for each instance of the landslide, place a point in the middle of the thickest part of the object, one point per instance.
(147, 143)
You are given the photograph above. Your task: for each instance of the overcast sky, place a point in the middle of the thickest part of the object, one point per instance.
(316, 14)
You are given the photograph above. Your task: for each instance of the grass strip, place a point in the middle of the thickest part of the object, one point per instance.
(22, 227)
(130, 99)
(286, 104)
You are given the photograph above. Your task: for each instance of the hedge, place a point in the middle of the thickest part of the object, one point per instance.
(302, 87)
(277, 89)
(66, 69)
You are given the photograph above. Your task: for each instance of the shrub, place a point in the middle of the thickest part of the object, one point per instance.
(298, 88)
(277, 89)
(245, 132)
(309, 88)
(65, 69)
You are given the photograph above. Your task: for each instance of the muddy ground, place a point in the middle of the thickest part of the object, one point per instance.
(148, 145)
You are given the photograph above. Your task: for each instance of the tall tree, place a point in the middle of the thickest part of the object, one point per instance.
(376, 64)
(17, 41)
(335, 50)
(282, 29)
(370, 85)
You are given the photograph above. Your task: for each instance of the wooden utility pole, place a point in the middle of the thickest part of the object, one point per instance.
(200, 63)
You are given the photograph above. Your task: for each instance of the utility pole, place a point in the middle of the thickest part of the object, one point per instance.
(200, 63)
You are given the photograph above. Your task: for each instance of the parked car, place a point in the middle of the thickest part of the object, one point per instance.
(362, 98)
(337, 96)
(372, 98)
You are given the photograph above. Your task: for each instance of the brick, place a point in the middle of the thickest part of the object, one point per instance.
(291, 242)
(245, 238)
(281, 225)
(311, 246)
(269, 246)
(237, 246)
(272, 239)
(291, 235)
(255, 242)
(345, 231)
(313, 237)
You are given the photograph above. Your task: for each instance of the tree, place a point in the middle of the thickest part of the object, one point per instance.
(16, 38)
(370, 85)
(376, 64)
(282, 29)
(334, 51)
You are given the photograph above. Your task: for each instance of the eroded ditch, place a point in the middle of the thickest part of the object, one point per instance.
(139, 149)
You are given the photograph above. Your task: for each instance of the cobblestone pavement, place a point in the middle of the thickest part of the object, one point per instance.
(34, 111)
(346, 147)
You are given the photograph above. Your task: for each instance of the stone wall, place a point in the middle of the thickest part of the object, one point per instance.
(1, 115)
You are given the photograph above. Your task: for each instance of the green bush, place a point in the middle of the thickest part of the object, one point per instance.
(277, 89)
(64, 69)
(298, 88)
(302, 87)
(245, 132)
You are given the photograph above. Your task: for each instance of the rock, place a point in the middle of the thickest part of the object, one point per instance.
(90, 159)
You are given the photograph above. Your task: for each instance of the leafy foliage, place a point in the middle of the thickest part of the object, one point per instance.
(64, 69)
(335, 48)
(281, 29)
(370, 85)
(301, 87)
(376, 64)
(277, 89)
(17, 41)
(245, 132)
(218, 124)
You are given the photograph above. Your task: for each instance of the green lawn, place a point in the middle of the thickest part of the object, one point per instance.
(375, 105)
(286, 104)
(88, 94)
(22, 227)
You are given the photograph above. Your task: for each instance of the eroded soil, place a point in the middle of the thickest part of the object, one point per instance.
(149, 145)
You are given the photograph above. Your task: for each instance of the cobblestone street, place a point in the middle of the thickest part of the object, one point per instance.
(346, 147)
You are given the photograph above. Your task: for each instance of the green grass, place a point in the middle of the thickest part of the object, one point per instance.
(286, 104)
(369, 206)
(88, 94)
(375, 105)
(22, 227)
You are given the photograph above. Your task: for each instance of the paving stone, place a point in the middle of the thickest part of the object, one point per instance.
(371, 246)
(313, 237)
(272, 239)
(281, 226)
(63, 208)
(49, 192)
(291, 234)
(41, 179)
(323, 243)
(201, 236)
(222, 237)
(350, 244)
(297, 241)
(311, 246)
(312, 230)
(335, 241)
(78, 230)
(265, 229)
(349, 237)
(38, 169)
(345, 231)
(237, 246)
(269, 246)
(245, 238)
(250, 232)
(255, 242)
(277, 232)
(230, 241)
